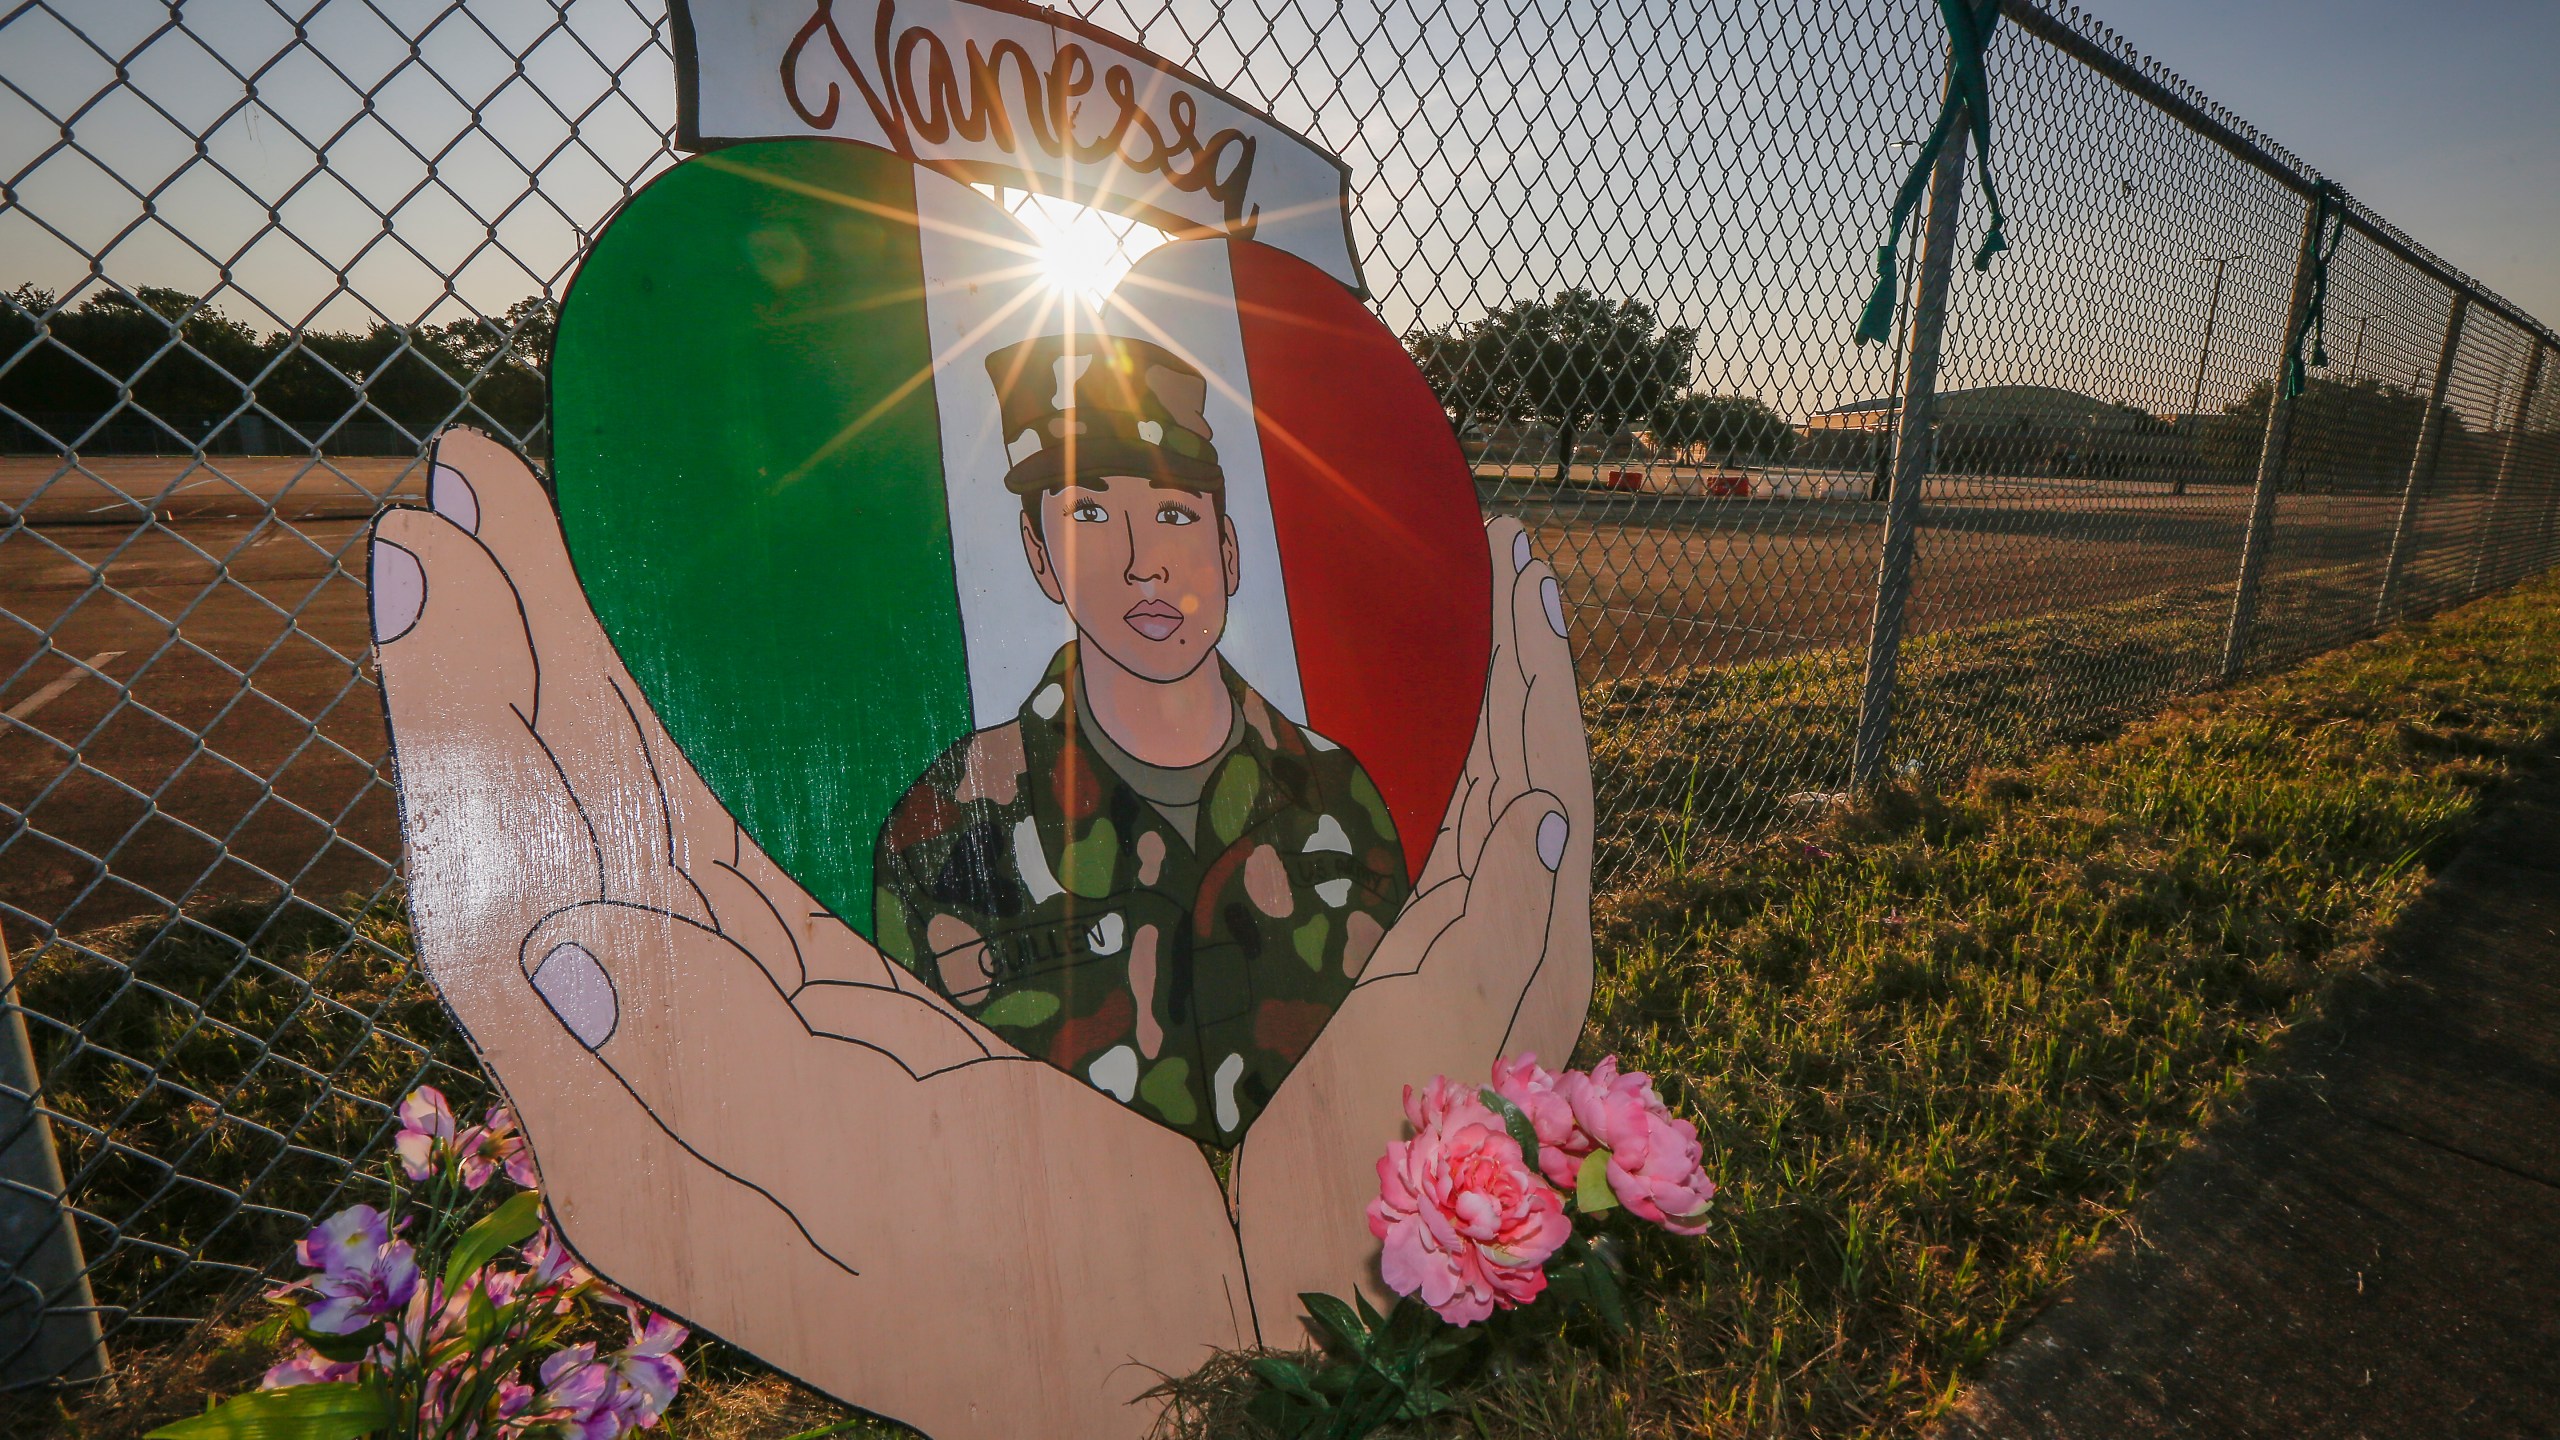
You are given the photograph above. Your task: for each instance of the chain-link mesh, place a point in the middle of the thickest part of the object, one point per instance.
(264, 249)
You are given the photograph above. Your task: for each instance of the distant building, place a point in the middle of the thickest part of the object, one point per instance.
(1864, 415)
(2009, 429)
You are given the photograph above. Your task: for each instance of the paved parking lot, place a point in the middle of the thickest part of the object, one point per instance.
(189, 700)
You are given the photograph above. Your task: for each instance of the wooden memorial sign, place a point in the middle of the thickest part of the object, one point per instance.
(975, 755)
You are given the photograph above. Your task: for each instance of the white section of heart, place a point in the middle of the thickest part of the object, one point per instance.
(985, 289)
(1296, 196)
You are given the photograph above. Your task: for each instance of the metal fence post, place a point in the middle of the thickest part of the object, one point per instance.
(48, 1318)
(2271, 452)
(2507, 448)
(1910, 461)
(2422, 463)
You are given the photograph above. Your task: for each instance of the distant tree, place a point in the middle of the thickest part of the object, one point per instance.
(1576, 361)
(1726, 425)
(191, 370)
(523, 335)
(2359, 433)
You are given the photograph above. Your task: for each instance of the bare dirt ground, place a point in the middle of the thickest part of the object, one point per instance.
(191, 712)
(182, 668)
(123, 489)
(1659, 583)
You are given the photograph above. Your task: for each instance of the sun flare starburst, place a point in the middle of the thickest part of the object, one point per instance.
(1083, 251)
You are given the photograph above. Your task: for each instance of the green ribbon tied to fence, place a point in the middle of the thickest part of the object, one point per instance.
(2331, 215)
(1968, 92)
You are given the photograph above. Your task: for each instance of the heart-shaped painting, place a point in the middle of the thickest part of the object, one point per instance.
(1108, 659)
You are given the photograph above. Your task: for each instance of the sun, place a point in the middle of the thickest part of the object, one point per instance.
(1083, 251)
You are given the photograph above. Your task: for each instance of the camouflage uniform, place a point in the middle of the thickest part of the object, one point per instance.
(1026, 879)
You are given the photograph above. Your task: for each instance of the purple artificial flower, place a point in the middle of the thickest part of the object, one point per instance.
(577, 1391)
(346, 1242)
(514, 1399)
(357, 1296)
(599, 1398)
(651, 1373)
(426, 1132)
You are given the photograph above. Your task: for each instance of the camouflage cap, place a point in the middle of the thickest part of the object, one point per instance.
(1102, 405)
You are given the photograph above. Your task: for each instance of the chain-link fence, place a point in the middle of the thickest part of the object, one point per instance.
(263, 249)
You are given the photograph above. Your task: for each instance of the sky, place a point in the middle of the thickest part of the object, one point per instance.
(2441, 114)
(1728, 162)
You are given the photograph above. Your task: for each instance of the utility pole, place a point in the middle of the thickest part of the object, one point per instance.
(2204, 353)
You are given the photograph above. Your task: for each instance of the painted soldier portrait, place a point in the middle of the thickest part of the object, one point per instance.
(1150, 876)
(956, 731)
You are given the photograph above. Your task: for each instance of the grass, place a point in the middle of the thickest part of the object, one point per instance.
(1694, 764)
(1938, 1044)
(208, 1073)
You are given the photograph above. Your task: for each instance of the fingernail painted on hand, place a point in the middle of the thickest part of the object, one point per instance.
(1553, 596)
(579, 992)
(453, 498)
(399, 585)
(1521, 555)
(1552, 833)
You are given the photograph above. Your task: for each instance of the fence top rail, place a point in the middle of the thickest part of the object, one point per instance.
(2083, 38)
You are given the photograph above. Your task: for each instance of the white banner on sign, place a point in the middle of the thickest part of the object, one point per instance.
(1010, 94)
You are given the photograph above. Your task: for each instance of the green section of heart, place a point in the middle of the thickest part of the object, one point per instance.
(749, 469)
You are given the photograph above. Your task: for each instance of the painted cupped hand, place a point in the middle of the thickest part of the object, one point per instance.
(1492, 956)
(748, 1116)
(742, 1112)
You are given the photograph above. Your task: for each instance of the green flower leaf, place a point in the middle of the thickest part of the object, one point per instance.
(1287, 1375)
(1514, 1120)
(1369, 1315)
(332, 1347)
(1336, 1320)
(336, 1410)
(512, 1223)
(480, 1318)
(1591, 1192)
(1602, 1292)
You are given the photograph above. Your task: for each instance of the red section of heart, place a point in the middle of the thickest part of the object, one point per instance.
(1390, 600)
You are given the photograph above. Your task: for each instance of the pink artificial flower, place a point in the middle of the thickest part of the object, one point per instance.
(510, 1149)
(492, 1145)
(476, 1167)
(303, 1365)
(435, 1398)
(355, 1297)
(501, 1286)
(426, 1132)
(1654, 1164)
(547, 1255)
(346, 1242)
(1467, 1224)
(1561, 1143)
